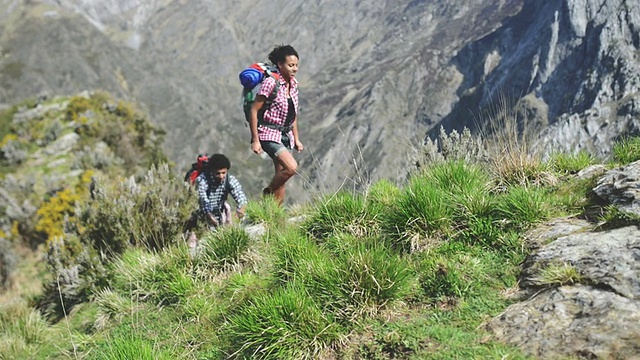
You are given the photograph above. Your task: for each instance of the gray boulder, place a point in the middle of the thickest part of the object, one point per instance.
(581, 287)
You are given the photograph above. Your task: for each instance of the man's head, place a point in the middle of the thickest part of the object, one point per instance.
(219, 165)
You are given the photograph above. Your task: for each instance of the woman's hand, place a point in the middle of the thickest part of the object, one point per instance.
(298, 146)
(256, 147)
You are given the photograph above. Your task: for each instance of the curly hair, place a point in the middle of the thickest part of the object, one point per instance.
(218, 161)
(280, 53)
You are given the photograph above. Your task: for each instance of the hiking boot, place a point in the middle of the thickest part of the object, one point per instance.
(266, 192)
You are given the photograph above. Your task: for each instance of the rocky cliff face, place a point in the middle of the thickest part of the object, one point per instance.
(569, 66)
(375, 76)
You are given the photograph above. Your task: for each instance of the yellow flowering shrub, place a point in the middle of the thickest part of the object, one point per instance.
(52, 213)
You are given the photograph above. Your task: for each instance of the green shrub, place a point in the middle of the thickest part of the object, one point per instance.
(626, 150)
(452, 147)
(8, 261)
(77, 273)
(150, 214)
(53, 213)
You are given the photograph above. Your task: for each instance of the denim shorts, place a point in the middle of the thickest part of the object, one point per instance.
(273, 149)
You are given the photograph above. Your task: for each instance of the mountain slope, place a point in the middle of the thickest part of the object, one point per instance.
(375, 76)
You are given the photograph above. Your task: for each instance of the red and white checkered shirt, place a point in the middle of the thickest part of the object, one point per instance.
(277, 113)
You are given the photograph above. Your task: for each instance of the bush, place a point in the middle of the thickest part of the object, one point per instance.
(52, 213)
(149, 214)
(78, 272)
(8, 261)
(452, 147)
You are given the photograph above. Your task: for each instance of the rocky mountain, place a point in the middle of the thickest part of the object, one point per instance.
(375, 76)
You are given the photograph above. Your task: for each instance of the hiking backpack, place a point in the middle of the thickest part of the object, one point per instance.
(251, 79)
(196, 168)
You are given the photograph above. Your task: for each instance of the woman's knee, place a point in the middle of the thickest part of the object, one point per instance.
(288, 164)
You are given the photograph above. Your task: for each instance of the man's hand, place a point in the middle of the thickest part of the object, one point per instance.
(213, 220)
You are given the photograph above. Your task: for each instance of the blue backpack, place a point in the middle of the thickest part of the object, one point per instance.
(251, 79)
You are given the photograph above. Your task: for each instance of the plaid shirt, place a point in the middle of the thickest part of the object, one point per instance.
(277, 113)
(212, 200)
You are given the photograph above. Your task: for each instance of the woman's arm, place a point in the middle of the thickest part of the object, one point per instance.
(298, 144)
(253, 123)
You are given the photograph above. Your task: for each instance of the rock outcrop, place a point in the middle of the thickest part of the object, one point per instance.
(585, 285)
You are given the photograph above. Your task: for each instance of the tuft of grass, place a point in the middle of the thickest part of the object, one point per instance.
(128, 346)
(572, 196)
(286, 324)
(267, 211)
(564, 163)
(626, 150)
(161, 278)
(223, 247)
(557, 275)
(342, 212)
(23, 331)
(511, 155)
(613, 217)
(521, 207)
(428, 208)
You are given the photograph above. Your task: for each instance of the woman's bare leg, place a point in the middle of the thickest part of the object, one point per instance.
(285, 167)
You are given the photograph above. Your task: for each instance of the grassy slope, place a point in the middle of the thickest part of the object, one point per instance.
(396, 272)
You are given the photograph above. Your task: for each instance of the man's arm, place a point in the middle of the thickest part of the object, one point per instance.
(203, 200)
(238, 195)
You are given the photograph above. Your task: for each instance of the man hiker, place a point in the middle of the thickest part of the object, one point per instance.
(214, 185)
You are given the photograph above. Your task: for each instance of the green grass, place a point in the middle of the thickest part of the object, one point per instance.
(557, 275)
(564, 163)
(409, 271)
(626, 150)
(223, 247)
(267, 211)
(285, 324)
